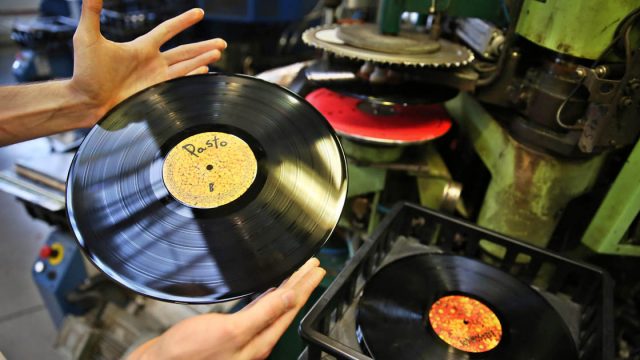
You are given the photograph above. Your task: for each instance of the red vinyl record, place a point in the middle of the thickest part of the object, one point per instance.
(402, 125)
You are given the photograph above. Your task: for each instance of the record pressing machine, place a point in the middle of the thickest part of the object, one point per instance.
(552, 101)
(519, 117)
(538, 139)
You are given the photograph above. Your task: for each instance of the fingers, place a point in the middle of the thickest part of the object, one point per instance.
(170, 28)
(189, 51)
(198, 71)
(293, 279)
(185, 67)
(263, 313)
(256, 300)
(260, 347)
(89, 24)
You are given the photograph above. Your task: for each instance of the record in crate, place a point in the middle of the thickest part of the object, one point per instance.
(436, 306)
(206, 188)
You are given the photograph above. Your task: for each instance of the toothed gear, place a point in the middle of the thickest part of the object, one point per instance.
(449, 55)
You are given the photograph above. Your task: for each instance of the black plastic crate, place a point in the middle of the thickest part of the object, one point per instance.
(329, 327)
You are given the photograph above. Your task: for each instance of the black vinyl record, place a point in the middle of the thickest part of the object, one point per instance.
(450, 307)
(206, 188)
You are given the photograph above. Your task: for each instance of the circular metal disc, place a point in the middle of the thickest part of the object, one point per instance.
(449, 55)
(366, 36)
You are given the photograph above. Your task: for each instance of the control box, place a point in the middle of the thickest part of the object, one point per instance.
(58, 270)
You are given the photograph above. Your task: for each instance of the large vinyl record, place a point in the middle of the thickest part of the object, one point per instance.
(451, 307)
(206, 188)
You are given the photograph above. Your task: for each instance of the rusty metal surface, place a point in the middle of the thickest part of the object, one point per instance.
(528, 190)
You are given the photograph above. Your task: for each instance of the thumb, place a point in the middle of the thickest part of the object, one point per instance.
(90, 17)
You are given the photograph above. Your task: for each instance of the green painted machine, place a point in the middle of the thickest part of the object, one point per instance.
(529, 189)
(615, 229)
(575, 98)
(369, 167)
(572, 97)
(589, 32)
(545, 146)
(552, 95)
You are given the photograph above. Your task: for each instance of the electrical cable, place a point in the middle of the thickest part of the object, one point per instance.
(505, 11)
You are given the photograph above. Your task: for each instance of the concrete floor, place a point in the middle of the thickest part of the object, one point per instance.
(26, 331)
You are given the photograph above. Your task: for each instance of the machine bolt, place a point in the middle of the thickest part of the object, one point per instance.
(378, 76)
(634, 84)
(626, 101)
(601, 70)
(581, 72)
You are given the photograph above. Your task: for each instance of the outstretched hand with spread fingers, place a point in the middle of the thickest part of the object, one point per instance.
(106, 72)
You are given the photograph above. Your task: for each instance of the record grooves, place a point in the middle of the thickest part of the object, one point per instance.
(206, 188)
(450, 307)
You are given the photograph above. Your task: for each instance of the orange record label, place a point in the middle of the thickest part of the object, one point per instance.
(465, 323)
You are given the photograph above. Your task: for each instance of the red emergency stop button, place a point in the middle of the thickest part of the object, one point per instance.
(50, 252)
(45, 251)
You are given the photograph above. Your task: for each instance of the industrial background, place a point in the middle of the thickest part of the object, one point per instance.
(502, 117)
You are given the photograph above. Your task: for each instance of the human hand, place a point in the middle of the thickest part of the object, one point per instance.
(106, 72)
(248, 334)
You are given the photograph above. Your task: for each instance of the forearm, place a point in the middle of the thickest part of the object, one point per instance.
(35, 110)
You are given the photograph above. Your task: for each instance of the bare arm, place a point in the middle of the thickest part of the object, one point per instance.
(104, 74)
(30, 111)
